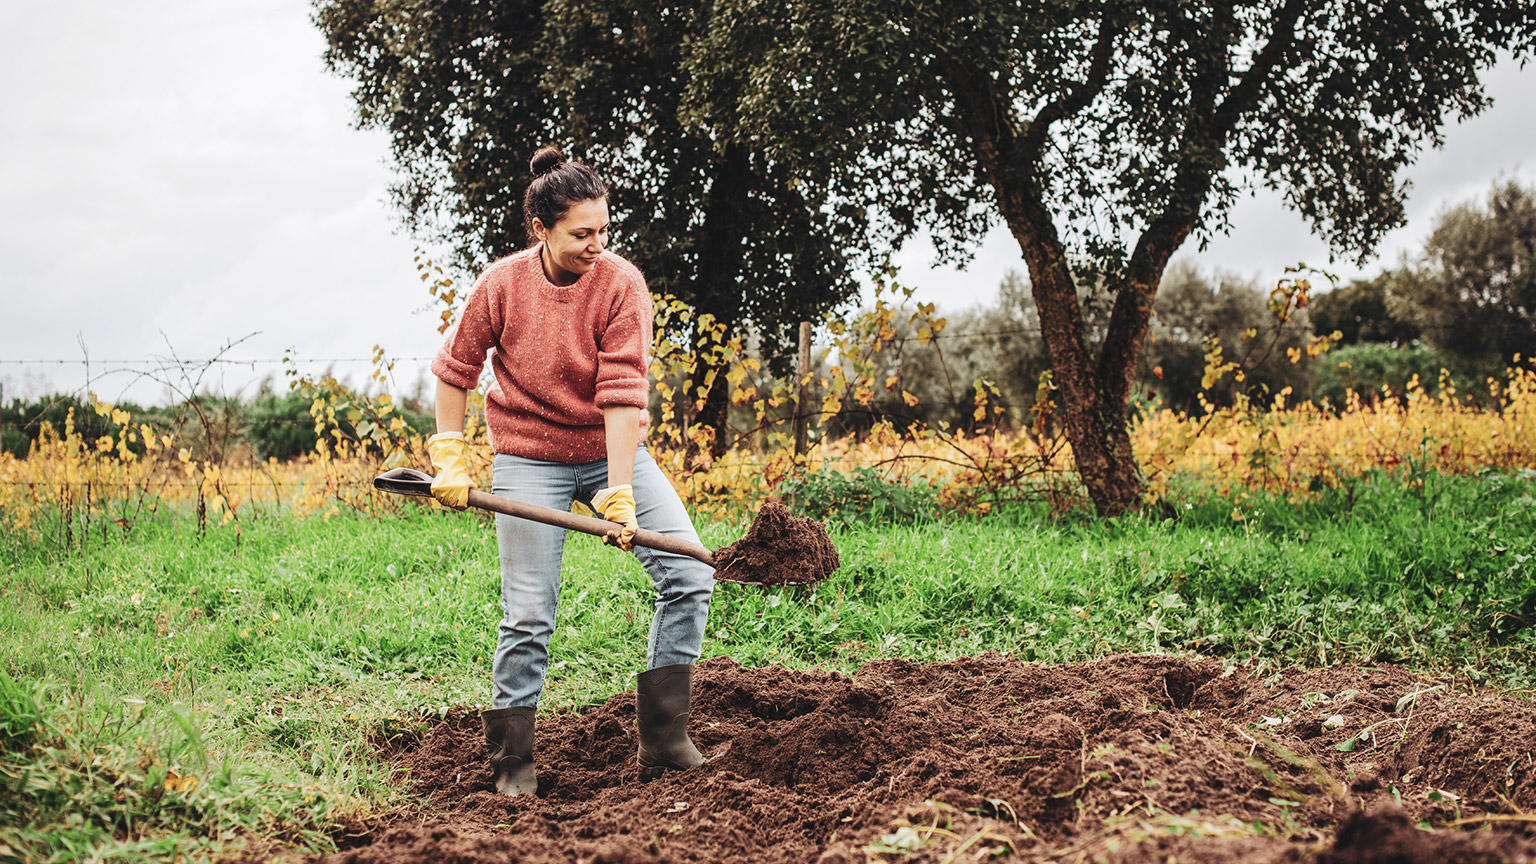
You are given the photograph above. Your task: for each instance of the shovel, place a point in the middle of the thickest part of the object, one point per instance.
(408, 481)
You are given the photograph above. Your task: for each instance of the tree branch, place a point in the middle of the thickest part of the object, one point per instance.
(1202, 154)
(1202, 141)
(1082, 95)
(1246, 93)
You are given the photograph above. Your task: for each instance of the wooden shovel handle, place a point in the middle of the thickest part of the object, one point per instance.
(405, 481)
(586, 524)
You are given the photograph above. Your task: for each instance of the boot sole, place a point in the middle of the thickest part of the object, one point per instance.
(514, 789)
(652, 772)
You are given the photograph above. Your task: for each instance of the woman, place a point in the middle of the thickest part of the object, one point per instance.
(568, 328)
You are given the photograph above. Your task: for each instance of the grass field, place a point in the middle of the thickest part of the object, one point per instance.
(164, 694)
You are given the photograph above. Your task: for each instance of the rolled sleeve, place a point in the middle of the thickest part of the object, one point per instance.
(623, 355)
(462, 356)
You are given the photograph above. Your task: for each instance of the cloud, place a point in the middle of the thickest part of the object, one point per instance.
(187, 172)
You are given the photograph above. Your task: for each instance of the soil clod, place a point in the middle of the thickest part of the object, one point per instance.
(779, 549)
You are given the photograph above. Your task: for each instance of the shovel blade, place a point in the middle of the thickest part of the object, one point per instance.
(405, 481)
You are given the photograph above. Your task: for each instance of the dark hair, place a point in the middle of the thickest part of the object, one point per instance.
(558, 185)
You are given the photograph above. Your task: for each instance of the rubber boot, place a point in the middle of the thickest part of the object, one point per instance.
(661, 708)
(509, 743)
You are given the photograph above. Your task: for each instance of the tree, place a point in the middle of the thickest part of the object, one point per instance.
(280, 427)
(1104, 133)
(1192, 308)
(1360, 311)
(999, 343)
(1474, 289)
(21, 423)
(468, 89)
(1375, 371)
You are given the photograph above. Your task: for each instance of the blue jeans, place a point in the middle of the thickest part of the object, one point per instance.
(530, 569)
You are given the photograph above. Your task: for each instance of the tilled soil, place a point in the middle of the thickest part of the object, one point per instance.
(1124, 759)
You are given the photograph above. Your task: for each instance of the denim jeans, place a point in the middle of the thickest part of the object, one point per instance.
(530, 569)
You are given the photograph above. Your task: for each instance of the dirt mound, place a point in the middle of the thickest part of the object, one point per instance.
(1124, 759)
(779, 549)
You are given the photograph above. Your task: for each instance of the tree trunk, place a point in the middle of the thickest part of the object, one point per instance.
(714, 414)
(1094, 415)
(717, 290)
(1096, 421)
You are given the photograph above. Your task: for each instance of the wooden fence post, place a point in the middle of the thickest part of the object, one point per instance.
(802, 388)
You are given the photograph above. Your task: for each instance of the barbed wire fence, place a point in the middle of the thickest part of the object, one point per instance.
(184, 378)
(159, 365)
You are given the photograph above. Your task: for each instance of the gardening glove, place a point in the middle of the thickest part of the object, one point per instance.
(450, 456)
(617, 504)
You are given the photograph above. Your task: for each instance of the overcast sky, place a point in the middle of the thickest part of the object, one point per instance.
(176, 175)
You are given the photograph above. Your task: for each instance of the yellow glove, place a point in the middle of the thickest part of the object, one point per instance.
(617, 504)
(450, 456)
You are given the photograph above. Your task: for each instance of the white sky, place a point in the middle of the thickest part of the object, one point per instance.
(179, 174)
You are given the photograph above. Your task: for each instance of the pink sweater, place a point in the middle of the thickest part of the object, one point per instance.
(559, 354)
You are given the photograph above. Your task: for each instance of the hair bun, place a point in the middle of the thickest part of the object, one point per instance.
(546, 160)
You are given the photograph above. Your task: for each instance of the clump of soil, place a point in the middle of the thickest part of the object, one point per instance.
(1125, 759)
(779, 549)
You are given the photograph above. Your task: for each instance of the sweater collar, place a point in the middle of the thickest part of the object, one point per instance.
(562, 290)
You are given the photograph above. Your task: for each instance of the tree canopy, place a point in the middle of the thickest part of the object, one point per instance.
(1104, 133)
(468, 89)
(1361, 312)
(1473, 291)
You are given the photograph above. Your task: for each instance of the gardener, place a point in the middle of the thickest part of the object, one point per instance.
(568, 328)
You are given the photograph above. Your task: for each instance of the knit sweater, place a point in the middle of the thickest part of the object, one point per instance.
(560, 354)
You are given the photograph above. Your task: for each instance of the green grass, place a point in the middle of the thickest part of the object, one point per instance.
(1442, 578)
(262, 663)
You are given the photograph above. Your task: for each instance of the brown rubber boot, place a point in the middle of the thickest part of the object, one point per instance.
(661, 708)
(509, 743)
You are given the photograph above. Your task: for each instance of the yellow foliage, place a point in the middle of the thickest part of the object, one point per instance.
(68, 486)
(1298, 450)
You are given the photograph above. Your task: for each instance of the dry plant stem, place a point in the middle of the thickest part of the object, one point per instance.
(1492, 817)
(1252, 742)
(975, 838)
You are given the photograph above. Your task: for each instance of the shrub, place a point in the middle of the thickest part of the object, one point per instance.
(861, 496)
(1373, 370)
(281, 427)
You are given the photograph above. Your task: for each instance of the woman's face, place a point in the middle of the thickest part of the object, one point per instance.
(574, 243)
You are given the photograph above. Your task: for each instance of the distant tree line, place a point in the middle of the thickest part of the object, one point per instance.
(268, 425)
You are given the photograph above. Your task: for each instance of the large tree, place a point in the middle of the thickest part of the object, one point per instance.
(468, 89)
(1104, 133)
(1361, 312)
(1473, 291)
